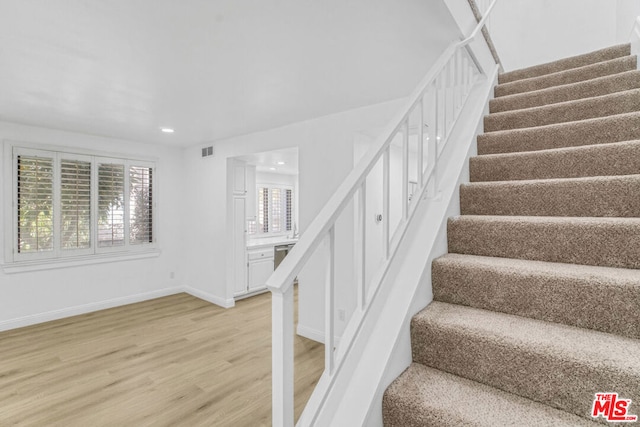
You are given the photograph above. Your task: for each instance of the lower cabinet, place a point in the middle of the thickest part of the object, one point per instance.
(260, 267)
(259, 272)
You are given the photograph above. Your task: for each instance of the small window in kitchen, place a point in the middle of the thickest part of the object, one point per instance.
(275, 211)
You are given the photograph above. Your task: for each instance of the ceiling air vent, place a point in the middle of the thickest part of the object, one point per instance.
(207, 151)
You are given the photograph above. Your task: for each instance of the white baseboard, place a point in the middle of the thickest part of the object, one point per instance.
(86, 308)
(213, 299)
(313, 334)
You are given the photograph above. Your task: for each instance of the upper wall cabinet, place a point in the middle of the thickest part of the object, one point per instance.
(251, 191)
(239, 184)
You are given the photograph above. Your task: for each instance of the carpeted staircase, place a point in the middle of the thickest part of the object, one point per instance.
(537, 304)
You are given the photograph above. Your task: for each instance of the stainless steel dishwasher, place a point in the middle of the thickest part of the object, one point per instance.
(279, 252)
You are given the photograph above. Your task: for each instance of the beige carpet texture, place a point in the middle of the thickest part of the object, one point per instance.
(536, 307)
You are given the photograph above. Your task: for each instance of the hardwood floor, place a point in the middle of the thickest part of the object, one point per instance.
(171, 361)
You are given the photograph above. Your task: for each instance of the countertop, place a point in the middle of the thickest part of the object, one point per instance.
(270, 241)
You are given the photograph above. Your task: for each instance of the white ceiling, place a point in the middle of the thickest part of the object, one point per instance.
(208, 68)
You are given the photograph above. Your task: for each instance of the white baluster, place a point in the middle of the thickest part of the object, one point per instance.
(433, 152)
(385, 202)
(405, 169)
(420, 171)
(467, 71)
(459, 79)
(329, 345)
(361, 246)
(282, 357)
(452, 83)
(444, 83)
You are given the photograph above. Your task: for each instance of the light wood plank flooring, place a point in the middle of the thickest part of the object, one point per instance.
(173, 361)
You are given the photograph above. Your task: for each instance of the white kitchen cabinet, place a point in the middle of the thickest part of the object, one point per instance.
(259, 272)
(239, 175)
(251, 192)
(259, 267)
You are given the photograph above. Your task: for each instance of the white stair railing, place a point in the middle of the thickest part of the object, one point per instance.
(430, 115)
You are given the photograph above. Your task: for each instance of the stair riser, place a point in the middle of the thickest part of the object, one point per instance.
(566, 77)
(525, 371)
(598, 160)
(590, 88)
(603, 304)
(602, 243)
(567, 63)
(625, 127)
(589, 197)
(609, 105)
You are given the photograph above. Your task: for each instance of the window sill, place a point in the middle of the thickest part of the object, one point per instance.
(50, 264)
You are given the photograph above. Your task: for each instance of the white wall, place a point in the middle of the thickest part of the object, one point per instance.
(626, 14)
(31, 297)
(531, 32)
(325, 155)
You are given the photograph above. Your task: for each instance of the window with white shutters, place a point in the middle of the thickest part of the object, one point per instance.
(263, 210)
(75, 204)
(141, 205)
(34, 204)
(275, 210)
(70, 204)
(110, 205)
(288, 209)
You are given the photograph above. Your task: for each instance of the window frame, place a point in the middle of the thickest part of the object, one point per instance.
(59, 256)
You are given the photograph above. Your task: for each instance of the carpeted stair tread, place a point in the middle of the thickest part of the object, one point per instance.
(618, 158)
(601, 130)
(558, 365)
(424, 396)
(570, 111)
(569, 92)
(576, 61)
(606, 242)
(588, 72)
(600, 298)
(600, 196)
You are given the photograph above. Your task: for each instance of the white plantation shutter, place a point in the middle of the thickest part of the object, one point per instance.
(141, 205)
(276, 210)
(110, 204)
(288, 209)
(263, 209)
(75, 204)
(35, 204)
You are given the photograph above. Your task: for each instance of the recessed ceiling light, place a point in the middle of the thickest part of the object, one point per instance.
(280, 163)
(167, 130)
(272, 169)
